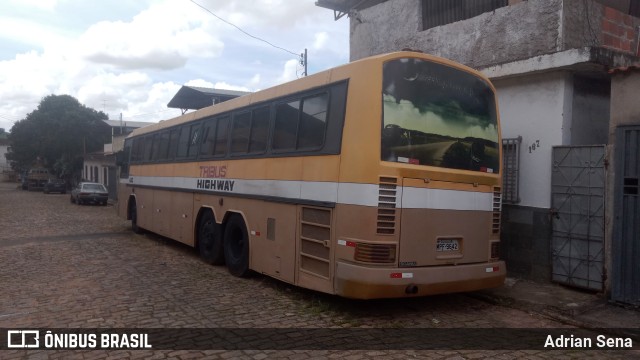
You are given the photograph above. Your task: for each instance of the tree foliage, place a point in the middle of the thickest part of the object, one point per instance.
(57, 134)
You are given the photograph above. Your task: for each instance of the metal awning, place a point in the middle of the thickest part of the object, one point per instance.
(343, 7)
(195, 98)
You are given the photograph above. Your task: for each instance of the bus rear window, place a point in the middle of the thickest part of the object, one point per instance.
(437, 115)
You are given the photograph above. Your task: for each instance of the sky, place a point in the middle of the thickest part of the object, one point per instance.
(131, 57)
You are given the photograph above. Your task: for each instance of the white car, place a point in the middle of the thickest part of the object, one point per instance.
(88, 192)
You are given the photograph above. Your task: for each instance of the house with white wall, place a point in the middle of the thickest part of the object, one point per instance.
(5, 169)
(100, 166)
(549, 61)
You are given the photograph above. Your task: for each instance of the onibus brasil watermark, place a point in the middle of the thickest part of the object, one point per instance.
(34, 339)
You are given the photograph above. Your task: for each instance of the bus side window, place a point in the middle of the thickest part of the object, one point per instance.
(135, 150)
(173, 143)
(163, 146)
(286, 126)
(155, 148)
(208, 138)
(222, 130)
(148, 147)
(259, 130)
(240, 132)
(313, 121)
(183, 142)
(194, 140)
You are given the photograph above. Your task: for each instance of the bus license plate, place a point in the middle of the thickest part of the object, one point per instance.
(447, 245)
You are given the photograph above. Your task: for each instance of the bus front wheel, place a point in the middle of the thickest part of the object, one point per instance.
(236, 246)
(133, 212)
(210, 240)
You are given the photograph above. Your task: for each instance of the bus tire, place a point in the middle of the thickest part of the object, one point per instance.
(210, 240)
(133, 212)
(236, 246)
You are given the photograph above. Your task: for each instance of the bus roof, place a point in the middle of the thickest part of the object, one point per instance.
(308, 82)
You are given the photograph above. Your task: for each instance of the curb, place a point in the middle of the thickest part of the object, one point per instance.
(564, 316)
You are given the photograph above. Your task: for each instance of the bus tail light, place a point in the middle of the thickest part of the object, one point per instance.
(375, 253)
(495, 250)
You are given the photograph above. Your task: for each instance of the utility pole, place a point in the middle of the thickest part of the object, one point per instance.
(304, 61)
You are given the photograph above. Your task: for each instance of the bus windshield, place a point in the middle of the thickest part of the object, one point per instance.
(437, 115)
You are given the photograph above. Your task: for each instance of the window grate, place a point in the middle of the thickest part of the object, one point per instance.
(511, 170)
(442, 12)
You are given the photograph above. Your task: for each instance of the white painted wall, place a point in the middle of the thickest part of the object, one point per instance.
(538, 108)
(3, 160)
(4, 164)
(88, 165)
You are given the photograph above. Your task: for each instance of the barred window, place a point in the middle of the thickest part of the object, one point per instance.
(511, 170)
(442, 12)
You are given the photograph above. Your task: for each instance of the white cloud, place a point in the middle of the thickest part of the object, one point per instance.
(134, 62)
(225, 86)
(163, 37)
(48, 5)
(321, 40)
(290, 72)
(29, 32)
(199, 83)
(254, 83)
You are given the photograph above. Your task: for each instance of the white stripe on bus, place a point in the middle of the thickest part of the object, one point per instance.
(340, 193)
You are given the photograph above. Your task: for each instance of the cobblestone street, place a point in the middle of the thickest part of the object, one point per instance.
(68, 266)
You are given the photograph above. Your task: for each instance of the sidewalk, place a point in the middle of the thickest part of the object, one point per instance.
(565, 304)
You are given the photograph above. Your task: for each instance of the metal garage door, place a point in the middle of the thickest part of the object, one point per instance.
(577, 201)
(625, 280)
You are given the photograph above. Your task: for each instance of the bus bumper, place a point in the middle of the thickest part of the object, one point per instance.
(363, 282)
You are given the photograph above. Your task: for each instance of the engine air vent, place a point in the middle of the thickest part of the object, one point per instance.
(387, 202)
(497, 209)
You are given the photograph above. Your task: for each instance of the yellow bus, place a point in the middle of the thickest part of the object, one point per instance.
(376, 179)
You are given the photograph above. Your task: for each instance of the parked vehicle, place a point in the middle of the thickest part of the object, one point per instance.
(24, 181)
(89, 192)
(37, 178)
(55, 185)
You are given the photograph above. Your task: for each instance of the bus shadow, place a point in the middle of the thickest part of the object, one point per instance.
(427, 311)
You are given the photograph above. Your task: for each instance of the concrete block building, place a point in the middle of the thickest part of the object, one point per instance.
(560, 108)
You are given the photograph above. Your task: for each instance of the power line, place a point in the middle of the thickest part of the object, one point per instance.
(244, 32)
(12, 117)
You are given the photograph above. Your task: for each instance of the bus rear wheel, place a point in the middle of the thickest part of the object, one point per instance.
(210, 240)
(236, 246)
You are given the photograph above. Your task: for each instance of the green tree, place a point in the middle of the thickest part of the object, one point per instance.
(57, 133)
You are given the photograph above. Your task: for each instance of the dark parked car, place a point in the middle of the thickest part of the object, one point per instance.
(88, 192)
(55, 185)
